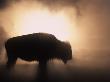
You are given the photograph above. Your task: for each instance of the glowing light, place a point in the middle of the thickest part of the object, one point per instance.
(43, 21)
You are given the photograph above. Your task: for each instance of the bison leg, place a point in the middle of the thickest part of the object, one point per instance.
(11, 62)
(42, 64)
(42, 68)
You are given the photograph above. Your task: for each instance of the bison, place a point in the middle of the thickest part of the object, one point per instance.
(40, 47)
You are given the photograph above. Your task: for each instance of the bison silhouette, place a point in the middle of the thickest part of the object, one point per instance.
(41, 47)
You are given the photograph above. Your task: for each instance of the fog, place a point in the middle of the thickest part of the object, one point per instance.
(89, 38)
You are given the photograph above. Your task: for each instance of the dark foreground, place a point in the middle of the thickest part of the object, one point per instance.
(83, 68)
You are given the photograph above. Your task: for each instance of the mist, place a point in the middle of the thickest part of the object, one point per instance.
(90, 35)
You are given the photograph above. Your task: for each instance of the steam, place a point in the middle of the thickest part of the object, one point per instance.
(53, 5)
(91, 17)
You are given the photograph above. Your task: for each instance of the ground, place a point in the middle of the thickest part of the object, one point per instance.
(85, 67)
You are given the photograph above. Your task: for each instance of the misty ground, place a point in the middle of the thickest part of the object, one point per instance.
(85, 67)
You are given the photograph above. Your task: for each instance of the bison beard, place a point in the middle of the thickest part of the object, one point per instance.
(37, 46)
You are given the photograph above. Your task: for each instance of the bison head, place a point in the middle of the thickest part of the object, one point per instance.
(64, 52)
